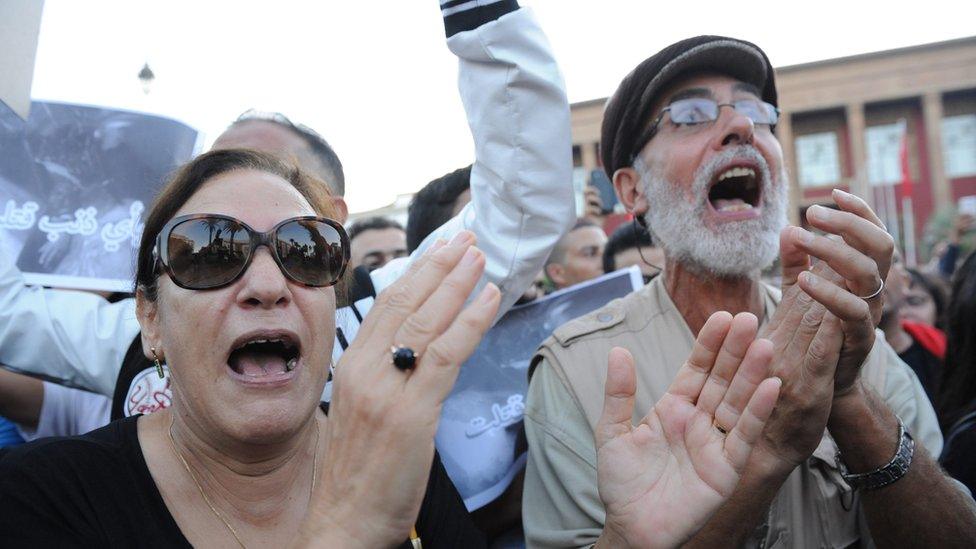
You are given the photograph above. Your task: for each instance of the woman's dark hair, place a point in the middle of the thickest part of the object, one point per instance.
(433, 205)
(192, 176)
(957, 394)
(934, 288)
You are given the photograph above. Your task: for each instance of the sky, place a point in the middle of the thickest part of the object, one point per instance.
(376, 79)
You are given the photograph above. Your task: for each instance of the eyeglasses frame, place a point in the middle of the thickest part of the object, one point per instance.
(653, 128)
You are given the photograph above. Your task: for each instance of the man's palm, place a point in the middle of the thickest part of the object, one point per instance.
(661, 480)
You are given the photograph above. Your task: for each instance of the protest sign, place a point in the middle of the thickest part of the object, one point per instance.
(480, 437)
(74, 184)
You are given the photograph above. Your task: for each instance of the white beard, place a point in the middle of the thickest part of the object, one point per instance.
(733, 249)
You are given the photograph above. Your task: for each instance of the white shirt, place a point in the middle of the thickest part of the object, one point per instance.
(68, 412)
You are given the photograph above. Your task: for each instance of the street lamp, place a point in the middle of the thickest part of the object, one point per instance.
(146, 78)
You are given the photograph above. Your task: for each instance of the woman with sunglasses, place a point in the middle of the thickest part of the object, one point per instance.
(236, 293)
(236, 281)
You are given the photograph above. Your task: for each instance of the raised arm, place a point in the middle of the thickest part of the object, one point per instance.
(515, 100)
(74, 338)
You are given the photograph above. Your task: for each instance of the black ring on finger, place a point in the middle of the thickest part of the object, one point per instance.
(404, 358)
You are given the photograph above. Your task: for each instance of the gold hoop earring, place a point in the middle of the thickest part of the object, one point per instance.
(159, 367)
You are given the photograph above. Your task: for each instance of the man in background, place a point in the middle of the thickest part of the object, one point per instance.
(578, 256)
(274, 133)
(436, 203)
(374, 241)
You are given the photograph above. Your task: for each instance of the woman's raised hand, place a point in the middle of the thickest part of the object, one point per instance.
(661, 480)
(382, 420)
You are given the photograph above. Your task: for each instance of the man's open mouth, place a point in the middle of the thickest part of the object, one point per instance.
(736, 189)
(263, 355)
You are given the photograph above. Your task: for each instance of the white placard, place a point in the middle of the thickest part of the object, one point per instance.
(480, 436)
(817, 159)
(959, 145)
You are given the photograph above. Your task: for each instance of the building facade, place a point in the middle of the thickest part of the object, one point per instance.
(865, 123)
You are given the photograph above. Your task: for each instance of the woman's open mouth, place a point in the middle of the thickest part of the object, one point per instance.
(736, 193)
(265, 357)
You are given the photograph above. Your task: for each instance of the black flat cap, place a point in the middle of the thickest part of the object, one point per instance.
(627, 116)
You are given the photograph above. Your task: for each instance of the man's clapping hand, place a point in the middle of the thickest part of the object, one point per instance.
(662, 479)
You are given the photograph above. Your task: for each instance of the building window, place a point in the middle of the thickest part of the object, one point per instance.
(959, 145)
(817, 159)
(579, 186)
(883, 145)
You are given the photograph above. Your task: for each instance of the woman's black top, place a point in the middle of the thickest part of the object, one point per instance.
(95, 490)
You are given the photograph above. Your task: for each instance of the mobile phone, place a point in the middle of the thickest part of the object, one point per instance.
(599, 179)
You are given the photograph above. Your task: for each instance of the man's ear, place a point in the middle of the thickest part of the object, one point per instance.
(630, 192)
(557, 274)
(341, 209)
(147, 313)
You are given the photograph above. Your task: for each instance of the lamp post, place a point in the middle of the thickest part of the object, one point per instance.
(146, 78)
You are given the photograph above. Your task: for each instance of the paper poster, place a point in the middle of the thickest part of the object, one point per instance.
(75, 182)
(480, 437)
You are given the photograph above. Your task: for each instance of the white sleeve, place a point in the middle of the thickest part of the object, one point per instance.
(75, 338)
(521, 180)
(68, 412)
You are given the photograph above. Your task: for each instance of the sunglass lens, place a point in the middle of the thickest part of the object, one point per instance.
(207, 252)
(311, 251)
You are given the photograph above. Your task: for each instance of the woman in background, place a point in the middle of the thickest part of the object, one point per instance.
(957, 397)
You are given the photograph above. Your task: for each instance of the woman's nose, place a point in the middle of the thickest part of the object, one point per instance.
(265, 286)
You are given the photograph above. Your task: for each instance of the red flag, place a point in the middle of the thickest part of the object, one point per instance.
(906, 176)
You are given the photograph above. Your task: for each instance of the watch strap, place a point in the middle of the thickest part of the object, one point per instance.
(888, 473)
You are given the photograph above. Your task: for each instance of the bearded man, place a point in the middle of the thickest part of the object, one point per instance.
(846, 458)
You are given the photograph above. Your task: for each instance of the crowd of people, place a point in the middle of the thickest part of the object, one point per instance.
(278, 379)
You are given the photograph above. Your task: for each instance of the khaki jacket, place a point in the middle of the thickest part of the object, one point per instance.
(561, 504)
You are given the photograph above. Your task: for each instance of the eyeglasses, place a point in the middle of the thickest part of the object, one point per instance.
(694, 111)
(206, 251)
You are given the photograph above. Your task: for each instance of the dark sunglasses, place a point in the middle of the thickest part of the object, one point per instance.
(206, 251)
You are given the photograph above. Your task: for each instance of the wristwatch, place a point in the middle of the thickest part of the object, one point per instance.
(886, 474)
